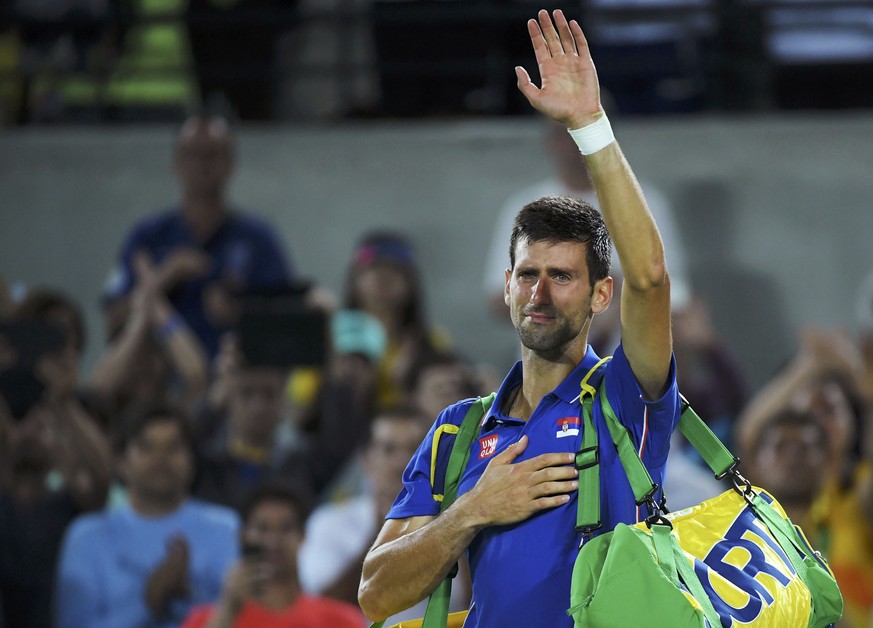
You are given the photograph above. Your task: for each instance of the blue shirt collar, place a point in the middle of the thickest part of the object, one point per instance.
(567, 391)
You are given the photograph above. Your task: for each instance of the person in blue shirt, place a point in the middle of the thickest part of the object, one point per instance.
(148, 562)
(205, 251)
(516, 509)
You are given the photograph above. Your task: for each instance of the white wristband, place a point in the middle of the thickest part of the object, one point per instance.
(593, 137)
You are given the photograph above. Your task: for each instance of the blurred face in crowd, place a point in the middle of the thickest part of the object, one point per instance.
(204, 157)
(66, 361)
(256, 404)
(830, 405)
(393, 441)
(31, 443)
(158, 464)
(791, 460)
(383, 287)
(66, 320)
(274, 526)
(440, 385)
(152, 377)
(59, 371)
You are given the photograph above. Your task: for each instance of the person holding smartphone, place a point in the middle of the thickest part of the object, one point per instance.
(263, 588)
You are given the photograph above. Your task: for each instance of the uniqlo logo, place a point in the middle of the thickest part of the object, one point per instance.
(489, 446)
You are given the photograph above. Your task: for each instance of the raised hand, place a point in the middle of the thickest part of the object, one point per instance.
(570, 91)
(510, 492)
(183, 265)
(246, 580)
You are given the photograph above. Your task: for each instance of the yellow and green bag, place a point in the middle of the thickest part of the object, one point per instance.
(733, 560)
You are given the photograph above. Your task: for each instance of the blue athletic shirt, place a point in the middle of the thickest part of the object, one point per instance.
(246, 253)
(521, 572)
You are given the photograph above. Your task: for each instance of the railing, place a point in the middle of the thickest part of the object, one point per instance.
(414, 58)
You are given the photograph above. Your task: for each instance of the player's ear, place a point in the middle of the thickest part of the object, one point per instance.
(601, 295)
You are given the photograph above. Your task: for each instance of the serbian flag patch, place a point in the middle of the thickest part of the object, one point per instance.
(568, 426)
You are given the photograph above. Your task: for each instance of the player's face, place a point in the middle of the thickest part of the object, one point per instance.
(550, 297)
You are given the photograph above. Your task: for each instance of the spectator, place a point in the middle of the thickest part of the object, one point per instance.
(383, 281)
(246, 447)
(841, 525)
(439, 380)
(339, 534)
(55, 308)
(154, 355)
(148, 562)
(337, 422)
(54, 465)
(709, 375)
(205, 251)
(826, 380)
(263, 588)
(60, 310)
(711, 378)
(790, 460)
(825, 377)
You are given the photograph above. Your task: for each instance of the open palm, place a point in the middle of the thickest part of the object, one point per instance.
(570, 92)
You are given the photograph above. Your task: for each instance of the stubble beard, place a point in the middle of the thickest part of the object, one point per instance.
(548, 339)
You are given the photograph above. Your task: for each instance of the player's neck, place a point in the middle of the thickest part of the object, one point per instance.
(540, 376)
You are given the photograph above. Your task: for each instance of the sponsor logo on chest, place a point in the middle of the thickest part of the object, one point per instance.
(488, 445)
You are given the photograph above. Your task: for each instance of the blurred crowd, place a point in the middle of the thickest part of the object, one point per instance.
(146, 60)
(229, 458)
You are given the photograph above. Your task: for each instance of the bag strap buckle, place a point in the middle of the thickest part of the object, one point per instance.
(584, 459)
(743, 486)
(657, 509)
(587, 532)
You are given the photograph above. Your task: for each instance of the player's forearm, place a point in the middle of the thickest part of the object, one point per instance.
(628, 219)
(402, 572)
